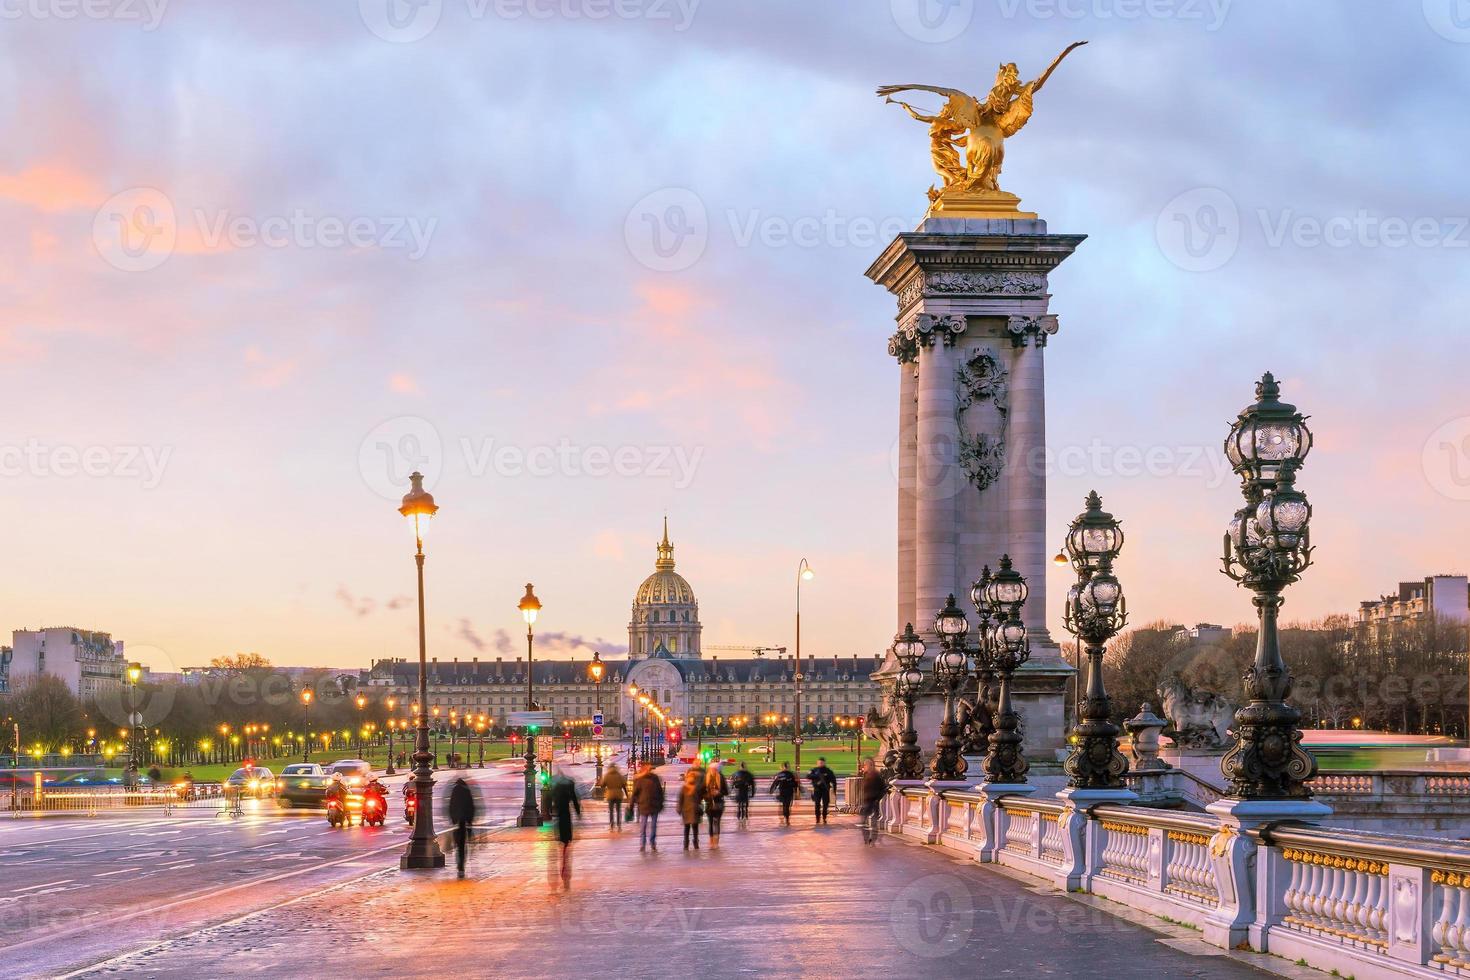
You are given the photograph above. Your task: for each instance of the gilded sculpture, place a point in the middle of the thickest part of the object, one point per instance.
(978, 129)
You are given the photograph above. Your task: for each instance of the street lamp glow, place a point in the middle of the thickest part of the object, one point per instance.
(135, 673)
(530, 606)
(419, 507)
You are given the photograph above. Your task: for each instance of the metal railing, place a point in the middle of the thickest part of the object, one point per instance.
(91, 801)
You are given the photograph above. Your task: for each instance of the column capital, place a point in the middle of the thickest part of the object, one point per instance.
(1025, 330)
(920, 331)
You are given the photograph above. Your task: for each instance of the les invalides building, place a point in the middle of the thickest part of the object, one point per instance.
(665, 658)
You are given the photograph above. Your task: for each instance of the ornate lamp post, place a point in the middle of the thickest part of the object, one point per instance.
(595, 669)
(530, 608)
(135, 674)
(1095, 612)
(423, 847)
(1267, 547)
(804, 573)
(951, 668)
(905, 761)
(634, 729)
(1004, 648)
(361, 704)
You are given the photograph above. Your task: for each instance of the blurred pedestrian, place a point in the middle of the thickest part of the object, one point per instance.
(743, 784)
(461, 815)
(783, 788)
(716, 788)
(824, 784)
(872, 787)
(648, 800)
(691, 805)
(614, 789)
(563, 802)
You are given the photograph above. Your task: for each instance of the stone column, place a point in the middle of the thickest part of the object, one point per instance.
(937, 478)
(1026, 463)
(905, 466)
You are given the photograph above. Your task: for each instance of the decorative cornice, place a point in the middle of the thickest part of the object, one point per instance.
(1026, 329)
(982, 283)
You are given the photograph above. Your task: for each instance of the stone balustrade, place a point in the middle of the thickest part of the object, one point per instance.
(1361, 903)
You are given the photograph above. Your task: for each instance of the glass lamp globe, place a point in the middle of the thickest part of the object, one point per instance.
(950, 622)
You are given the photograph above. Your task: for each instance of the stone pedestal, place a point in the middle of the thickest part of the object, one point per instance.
(1079, 834)
(973, 327)
(990, 796)
(1236, 919)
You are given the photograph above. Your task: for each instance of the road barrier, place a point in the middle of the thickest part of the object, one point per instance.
(94, 800)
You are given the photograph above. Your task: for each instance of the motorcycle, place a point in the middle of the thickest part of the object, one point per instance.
(337, 814)
(374, 810)
(410, 809)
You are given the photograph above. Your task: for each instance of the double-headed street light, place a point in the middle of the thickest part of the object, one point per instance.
(1267, 547)
(423, 847)
(530, 608)
(1095, 613)
(906, 761)
(951, 669)
(998, 599)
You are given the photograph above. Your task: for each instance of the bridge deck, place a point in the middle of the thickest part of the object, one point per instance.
(768, 902)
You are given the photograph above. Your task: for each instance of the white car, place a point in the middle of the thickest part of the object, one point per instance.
(354, 772)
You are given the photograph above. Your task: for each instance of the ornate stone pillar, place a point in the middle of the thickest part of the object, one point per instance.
(905, 466)
(1026, 461)
(937, 479)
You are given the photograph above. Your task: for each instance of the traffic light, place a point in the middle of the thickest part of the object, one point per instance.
(533, 729)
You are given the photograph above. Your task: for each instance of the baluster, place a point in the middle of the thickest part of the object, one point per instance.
(1444, 896)
(1461, 928)
(1291, 899)
(1347, 881)
(1360, 908)
(1316, 881)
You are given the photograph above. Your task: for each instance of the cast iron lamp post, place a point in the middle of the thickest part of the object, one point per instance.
(634, 730)
(361, 704)
(1267, 547)
(423, 847)
(1003, 648)
(804, 573)
(951, 668)
(906, 761)
(595, 669)
(530, 607)
(1095, 613)
(392, 724)
(135, 674)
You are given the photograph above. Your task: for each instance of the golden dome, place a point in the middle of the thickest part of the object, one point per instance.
(665, 587)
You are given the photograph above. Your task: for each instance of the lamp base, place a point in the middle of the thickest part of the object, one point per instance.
(421, 856)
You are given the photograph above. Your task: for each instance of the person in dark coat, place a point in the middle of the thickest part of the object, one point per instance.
(563, 802)
(872, 787)
(783, 788)
(648, 801)
(615, 790)
(743, 785)
(691, 805)
(716, 788)
(461, 815)
(824, 784)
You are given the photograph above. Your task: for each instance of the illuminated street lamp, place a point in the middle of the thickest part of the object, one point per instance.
(392, 725)
(306, 724)
(1267, 547)
(530, 608)
(135, 673)
(804, 573)
(596, 669)
(423, 847)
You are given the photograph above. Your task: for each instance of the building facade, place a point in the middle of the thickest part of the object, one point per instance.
(91, 663)
(665, 659)
(1443, 598)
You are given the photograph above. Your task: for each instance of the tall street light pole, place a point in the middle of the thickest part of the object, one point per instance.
(804, 573)
(135, 674)
(361, 704)
(530, 607)
(595, 668)
(392, 725)
(423, 847)
(306, 724)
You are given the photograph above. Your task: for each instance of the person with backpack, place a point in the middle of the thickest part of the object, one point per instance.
(648, 800)
(824, 785)
(783, 788)
(743, 784)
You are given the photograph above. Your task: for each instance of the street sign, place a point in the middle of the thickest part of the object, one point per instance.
(597, 719)
(524, 719)
(597, 729)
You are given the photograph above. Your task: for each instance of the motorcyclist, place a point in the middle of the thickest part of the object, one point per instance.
(374, 791)
(336, 792)
(410, 801)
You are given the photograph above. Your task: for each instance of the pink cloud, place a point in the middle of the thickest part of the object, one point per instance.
(51, 188)
(265, 371)
(404, 384)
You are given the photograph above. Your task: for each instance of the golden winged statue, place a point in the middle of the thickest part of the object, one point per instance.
(979, 128)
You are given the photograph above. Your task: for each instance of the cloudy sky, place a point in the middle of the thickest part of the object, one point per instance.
(590, 261)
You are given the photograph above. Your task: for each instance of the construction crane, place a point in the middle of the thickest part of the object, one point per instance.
(758, 651)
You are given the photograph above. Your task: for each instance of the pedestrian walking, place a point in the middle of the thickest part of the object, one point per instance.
(824, 785)
(563, 802)
(648, 800)
(743, 785)
(783, 788)
(872, 787)
(691, 805)
(615, 790)
(716, 788)
(461, 815)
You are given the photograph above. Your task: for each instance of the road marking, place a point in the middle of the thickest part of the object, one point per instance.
(175, 864)
(109, 874)
(64, 881)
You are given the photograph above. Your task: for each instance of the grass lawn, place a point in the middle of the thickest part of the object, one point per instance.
(837, 750)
